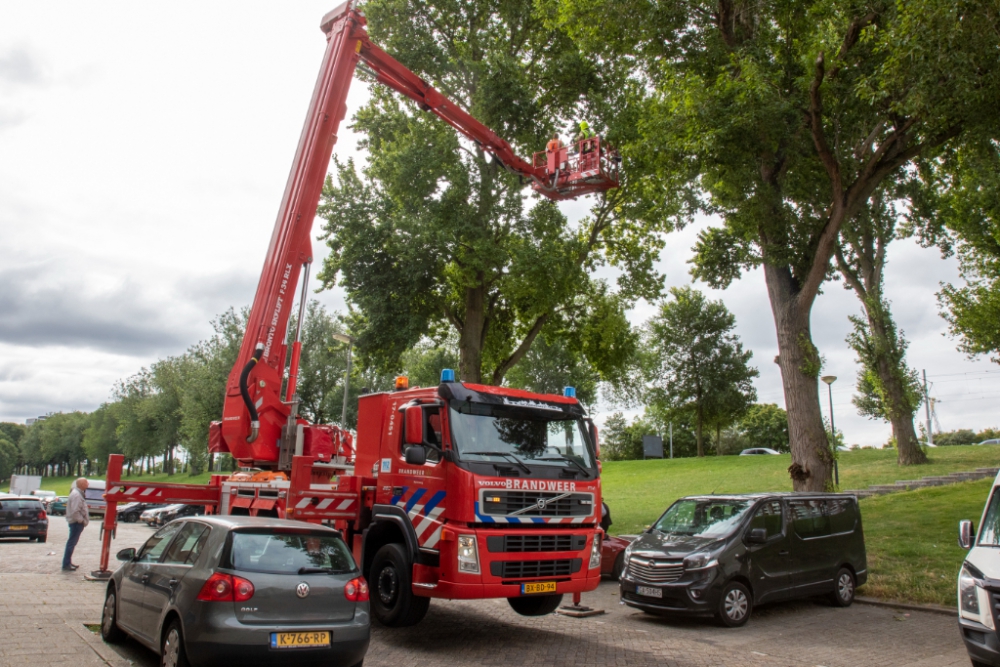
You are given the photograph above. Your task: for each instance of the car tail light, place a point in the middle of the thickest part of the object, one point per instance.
(42, 515)
(356, 590)
(218, 588)
(242, 589)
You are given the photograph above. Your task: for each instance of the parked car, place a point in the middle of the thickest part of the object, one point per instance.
(24, 517)
(721, 555)
(991, 441)
(226, 590)
(755, 451)
(44, 496)
(149, 516)
(130, 512)
(94, 496)
(171, 512)
(57, 506)
(613, 555)
(977, 584)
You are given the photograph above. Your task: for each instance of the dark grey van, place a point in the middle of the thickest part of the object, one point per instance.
(721, 555)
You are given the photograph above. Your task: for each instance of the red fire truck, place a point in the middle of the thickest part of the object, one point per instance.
(456, 491)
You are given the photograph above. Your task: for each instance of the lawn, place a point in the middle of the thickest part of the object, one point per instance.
(61, 484)
(639, 491)
(912, 541)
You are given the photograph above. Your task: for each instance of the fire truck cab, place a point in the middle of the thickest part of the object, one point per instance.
(479, 492)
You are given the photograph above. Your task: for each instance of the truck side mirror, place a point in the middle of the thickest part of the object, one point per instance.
(416, 455)
(414, 432)
(757, 536)
(965, 534)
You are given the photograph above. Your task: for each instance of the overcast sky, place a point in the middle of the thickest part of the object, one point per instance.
(143, 153)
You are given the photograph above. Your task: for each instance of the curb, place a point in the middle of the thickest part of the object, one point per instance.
(932, 608)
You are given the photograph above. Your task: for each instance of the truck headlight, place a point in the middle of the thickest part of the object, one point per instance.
(595, 552)
(468, 556)
(974, 600)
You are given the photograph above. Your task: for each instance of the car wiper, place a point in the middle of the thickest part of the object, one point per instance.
(507, 455)
(568, 459)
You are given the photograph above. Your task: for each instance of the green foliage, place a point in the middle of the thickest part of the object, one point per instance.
(12, 432)
(765, 425)
(424, 362)
(432, 235)
(550, 365)
(9, 458)
(880, 355)
(695, 368)
(100, 438)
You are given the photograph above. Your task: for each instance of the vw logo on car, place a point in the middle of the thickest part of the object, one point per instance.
(302, 589)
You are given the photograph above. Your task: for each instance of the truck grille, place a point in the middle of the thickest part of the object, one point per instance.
(527, 569)
(652, 571)
(534, 543)
(503, 503)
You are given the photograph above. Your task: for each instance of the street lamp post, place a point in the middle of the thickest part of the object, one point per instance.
(829, 380)
(344, 338)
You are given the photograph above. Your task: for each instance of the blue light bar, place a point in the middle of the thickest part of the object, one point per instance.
(569, 392)
(447, 375)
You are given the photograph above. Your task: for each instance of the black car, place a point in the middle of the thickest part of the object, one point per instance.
(177, 511)
(721, 555)
(23, 516)
(238, 590)
(130, 513)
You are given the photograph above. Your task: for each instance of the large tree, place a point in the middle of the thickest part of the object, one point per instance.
(887, 386)
(783, 118)
(695, 365)
(432, 234)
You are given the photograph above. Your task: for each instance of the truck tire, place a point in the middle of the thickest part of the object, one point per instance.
(536, 605)
(392, 600)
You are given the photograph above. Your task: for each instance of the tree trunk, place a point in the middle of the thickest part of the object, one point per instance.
(698, 434)
(718, 440)
(470, 341)
(812, 460)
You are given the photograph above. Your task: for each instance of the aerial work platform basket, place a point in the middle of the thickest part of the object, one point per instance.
(584, 167)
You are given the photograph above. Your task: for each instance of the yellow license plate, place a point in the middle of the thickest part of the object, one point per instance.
(538, 587)
(18, 528)
(300, 639)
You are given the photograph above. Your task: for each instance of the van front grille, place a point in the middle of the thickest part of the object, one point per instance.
(653, 571)
(528, 569)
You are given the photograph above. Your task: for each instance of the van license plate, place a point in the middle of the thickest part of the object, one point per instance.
(18, 528)
(538, 587)
(300, 639)
(649, 592)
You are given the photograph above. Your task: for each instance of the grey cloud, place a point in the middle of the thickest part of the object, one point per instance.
(18, 66)
(119, 321)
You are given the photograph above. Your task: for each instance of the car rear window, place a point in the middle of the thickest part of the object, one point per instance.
(14, 505)
(288, 553)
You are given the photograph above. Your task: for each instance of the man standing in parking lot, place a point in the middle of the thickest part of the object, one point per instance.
(78, 518)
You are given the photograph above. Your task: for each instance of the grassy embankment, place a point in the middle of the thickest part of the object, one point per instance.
(61, 484)
(911, 537)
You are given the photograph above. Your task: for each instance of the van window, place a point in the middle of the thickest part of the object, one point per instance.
(808, 518)
(703, 517)
(842, 516)
(768, 517)
(94, 495)
(989, 534)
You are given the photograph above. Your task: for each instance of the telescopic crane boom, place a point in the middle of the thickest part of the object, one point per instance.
(259, 428)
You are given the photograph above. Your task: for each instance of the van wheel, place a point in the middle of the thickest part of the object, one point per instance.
(392, 599)
(536, 605)
(843, 591)
(110, 632)
(735, 605)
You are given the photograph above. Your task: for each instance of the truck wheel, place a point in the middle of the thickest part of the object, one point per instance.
(392, 599)
(536, 605)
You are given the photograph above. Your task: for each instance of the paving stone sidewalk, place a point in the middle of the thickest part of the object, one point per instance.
(43, 611)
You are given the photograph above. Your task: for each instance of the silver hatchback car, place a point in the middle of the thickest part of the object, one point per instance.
(241, 590)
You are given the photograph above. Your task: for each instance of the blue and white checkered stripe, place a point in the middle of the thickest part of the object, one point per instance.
(425, 516)
(488, 518)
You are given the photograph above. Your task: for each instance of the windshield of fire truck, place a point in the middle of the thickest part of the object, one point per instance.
(547, 437)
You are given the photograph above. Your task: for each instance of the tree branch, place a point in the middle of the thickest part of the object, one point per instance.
(521, 350)
(826, 156)
(849, 274)
(851, 37)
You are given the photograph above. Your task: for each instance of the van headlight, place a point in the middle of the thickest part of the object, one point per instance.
(700, 561)
(974, 600)
(468, 556)
(595, 552)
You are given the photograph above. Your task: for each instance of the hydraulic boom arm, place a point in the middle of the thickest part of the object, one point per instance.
(258, 427)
